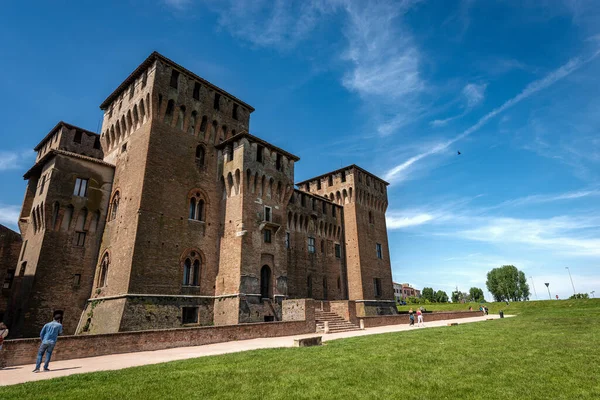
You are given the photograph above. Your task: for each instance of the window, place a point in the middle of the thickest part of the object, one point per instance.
(338, 250)
(114, 206)
(287, 240)
(131, 91)
(8, 280)
(259, 153)
(24, 248)
(267, 214)
(43, 184)
(144, 78)
(303, 200)
(323, 246)
(307, 187)
(377, 287)
(191, 271)
(203, 124)
(267, 235)
(81, 186)
(189, 315)
(124, 148)
(200, 156)
(23, 268)
(379, 252)
(196, 94)
(97, 142)
(80, 239)
(311, 245)
(330, 180)
(174, 78)
(318, 184)
(324, 208)
(234, 113)
(104, 270)
(78, 136)
(169, 112)
(217, 102)
(343, 176)
(314, 204)
(196, 209)
(76, 279)
(278, 163)
(333, 210)
(371, 219)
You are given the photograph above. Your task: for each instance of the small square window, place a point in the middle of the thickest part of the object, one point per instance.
(259, 153)
(234, 113)
(267, 235)
(217, 102)
(189, 315)
(78, 136)
(81, 186)
(79, 239)
(174, 78)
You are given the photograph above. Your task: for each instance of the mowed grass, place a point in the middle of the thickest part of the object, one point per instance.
(549, 351)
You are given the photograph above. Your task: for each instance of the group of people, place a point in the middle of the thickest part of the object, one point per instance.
(48, 336)
(411, 317)
(483, 309)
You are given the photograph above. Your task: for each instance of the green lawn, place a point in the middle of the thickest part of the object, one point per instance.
(550, 351)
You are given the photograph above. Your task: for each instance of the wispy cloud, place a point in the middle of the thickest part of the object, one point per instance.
(178, 4)
(14, 159)
(9, 215)
(473, 94)
(398, 172)
(397, 220)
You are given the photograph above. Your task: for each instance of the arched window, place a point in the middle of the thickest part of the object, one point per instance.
(191, 269)
(104, 270)
(169, 112)
(200, 156)
(192, 126)
(114, 205)
(265, 282)
(203, 124)
(196, 208)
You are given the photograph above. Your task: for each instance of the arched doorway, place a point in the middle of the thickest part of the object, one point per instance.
(265, 282)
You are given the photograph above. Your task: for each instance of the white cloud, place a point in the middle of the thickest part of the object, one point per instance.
(397, 220)
(398, 173)
(474, 93)
(14, 159)
(9, 215)
(178, 4)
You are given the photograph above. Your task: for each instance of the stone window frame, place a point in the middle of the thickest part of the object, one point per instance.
(199, 212)
(193, 255)
(114, 205)
(311, 245)
(81, 187)
(379, 249)
(104, 266)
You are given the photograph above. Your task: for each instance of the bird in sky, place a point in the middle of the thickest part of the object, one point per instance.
(459, 153)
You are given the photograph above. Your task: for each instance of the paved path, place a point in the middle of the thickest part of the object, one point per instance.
(22, 373)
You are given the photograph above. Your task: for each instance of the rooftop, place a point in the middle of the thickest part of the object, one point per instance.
(56, 127)
(343, 169)
(253, 138)
(147, 63)
(55, 152)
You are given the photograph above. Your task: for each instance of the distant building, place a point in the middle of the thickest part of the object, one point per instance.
(404, 290)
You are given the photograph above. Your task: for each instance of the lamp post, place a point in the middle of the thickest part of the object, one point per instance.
(567, 268)
(533, 284)
(548, 286)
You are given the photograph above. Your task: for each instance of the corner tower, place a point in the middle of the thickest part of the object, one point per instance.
(368, 268)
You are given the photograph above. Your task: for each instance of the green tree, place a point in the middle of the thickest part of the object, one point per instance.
(507, 283)
(441, 296)
(579, 296)
(428, 294)
(476, 295)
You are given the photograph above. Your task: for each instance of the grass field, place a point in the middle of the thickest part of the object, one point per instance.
(550, 351)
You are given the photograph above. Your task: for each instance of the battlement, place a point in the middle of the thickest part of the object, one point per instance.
(70, 138)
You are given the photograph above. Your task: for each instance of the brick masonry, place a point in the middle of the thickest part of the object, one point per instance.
(175, 178)
(382, 320)
(299, 315)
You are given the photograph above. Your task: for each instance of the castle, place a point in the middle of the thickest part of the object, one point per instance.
(175, 215)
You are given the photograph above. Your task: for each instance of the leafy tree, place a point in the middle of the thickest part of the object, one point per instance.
(579, 296)
(413, 300)
(428, 294)
(507, 283)
(441, 296)
(455, 296)
(476, 295)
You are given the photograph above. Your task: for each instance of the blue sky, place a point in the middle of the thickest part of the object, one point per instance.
(398, 87)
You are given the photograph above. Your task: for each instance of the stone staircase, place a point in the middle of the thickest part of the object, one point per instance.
(336, 323)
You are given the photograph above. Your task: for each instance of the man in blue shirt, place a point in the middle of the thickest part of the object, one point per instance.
(49, 335)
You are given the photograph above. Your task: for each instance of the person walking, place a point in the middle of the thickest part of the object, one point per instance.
(49, 335)
(420, 318)
(411, 317)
